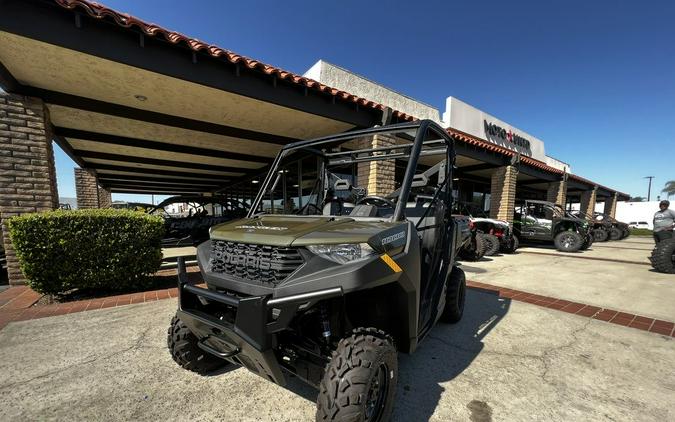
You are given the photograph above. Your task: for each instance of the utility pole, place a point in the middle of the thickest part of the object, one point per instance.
(649, 189)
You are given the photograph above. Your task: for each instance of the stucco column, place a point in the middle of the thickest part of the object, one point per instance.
(503, 193)
(610, 205)
(27, 172)
(588, 201)
(86, 189)
(377, 176)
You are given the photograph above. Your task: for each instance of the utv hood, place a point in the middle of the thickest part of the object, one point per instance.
(285, 230)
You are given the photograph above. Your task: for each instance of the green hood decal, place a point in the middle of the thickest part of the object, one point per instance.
(285, 230)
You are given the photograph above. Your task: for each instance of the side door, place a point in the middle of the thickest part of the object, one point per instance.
(541, 221)
(438, 233)
(527, 223)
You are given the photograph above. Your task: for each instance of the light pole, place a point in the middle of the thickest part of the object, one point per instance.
(649, 189)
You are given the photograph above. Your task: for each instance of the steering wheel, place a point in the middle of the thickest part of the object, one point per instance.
(378, 201)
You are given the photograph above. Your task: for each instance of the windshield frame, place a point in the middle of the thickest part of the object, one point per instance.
(313, 146)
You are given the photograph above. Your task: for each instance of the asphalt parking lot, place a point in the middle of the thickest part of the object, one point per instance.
(506, 360)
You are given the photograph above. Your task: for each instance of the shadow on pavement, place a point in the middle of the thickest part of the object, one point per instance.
(444, 354)
(473, 270)
(551, 247)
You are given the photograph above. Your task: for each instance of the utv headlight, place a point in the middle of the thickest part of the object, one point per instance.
(343, 253)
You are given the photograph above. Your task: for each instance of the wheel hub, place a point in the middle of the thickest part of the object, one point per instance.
(377, 393)
(567, 241)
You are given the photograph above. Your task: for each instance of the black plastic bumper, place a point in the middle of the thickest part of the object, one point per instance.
(249, 338)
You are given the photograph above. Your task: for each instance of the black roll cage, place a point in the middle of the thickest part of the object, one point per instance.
(410, 151)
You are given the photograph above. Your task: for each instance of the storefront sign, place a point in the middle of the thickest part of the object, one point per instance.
(461, 116)
(493, 131)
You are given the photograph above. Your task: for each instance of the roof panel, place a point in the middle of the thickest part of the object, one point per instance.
(102, 123)
(92, 163)
(83, 145)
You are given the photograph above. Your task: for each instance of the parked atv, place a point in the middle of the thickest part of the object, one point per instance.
(474, 247)
(601, 229)
(663, 256)
(330, 298)
(543, 221)
(618, 230)
(496, 235)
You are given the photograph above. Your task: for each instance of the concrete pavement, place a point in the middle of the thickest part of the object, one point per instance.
(505, 361)
(629, 287)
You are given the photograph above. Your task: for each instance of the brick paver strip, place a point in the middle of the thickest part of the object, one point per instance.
(602, 314)
(10, 310)
(579, 256)
(35, 312)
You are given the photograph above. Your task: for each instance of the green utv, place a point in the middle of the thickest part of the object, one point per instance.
(543, 221)
(325, 281)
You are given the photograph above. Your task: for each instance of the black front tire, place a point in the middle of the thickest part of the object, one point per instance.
(600, 235)
(492, 244)
(615, 233)
(360, 380)
(474, 251)
(568, 241)
(512, 246)
(663, 256)
(185, 351)
(588, 241)
(455, 296)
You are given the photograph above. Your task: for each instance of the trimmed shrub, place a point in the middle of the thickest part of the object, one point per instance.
(102, 249)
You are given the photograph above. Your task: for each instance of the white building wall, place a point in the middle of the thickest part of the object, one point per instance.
(458, 114)
(337, 77)
(628, 212)
(466, 118)
(637, 211)
(560, 165)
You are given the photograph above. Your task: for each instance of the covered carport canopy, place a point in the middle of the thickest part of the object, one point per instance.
(153, 111)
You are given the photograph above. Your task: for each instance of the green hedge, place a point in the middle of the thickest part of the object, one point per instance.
(102, 249)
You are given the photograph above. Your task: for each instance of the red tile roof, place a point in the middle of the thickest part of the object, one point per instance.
(99, 11)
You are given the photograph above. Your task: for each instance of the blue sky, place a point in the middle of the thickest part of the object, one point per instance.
(594, 79)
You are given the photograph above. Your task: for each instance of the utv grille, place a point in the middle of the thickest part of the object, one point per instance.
(260, 263)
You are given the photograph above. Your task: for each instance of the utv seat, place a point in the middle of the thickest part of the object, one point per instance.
(334, 208)
(427, 228)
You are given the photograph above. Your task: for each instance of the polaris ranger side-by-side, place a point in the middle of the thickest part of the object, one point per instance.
(544, 221)
(326, 281)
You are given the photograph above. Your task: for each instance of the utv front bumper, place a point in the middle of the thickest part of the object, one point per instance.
(242, 330)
